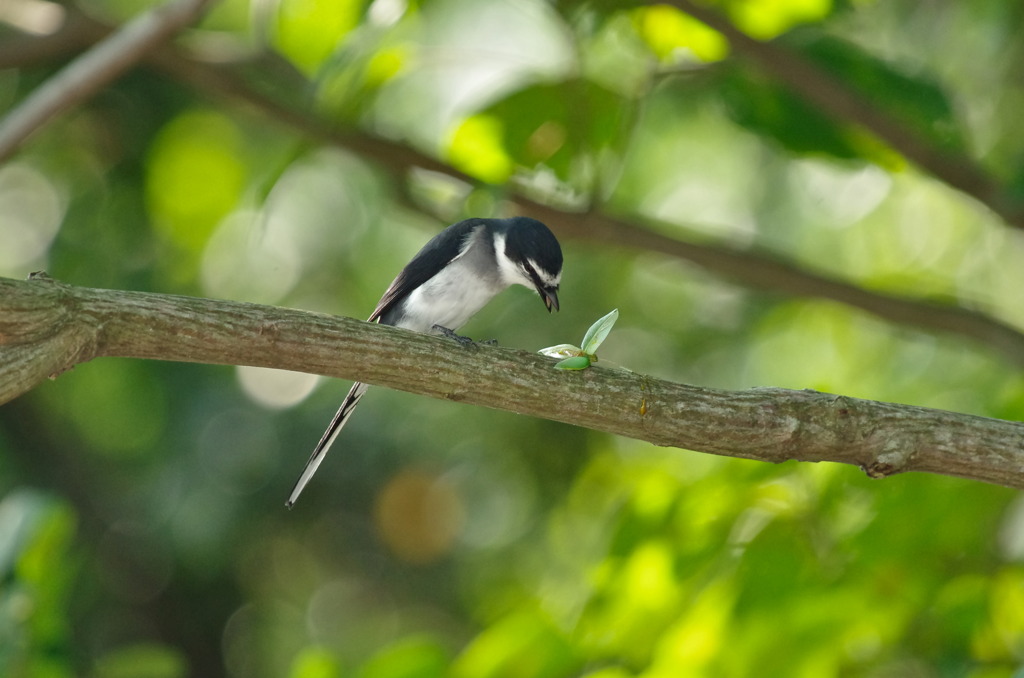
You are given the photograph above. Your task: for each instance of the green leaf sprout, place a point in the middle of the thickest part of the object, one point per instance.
(576, 362)
(576, 358)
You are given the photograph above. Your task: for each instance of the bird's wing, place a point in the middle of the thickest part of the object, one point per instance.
(440, 251)
(340, 418)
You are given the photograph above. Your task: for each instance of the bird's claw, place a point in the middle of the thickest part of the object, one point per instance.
(465, 342)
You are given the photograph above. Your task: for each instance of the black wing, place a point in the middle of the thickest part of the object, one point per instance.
(435, 255)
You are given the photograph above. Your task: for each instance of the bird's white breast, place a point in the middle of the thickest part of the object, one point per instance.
(450, 298)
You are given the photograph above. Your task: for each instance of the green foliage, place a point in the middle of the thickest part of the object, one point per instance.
(195, 176)
(767, 108)
(413, 657)
(561, 126)
(444, 541)
(308, 31)
(668, 31)
(524, 644)
(37, 567)
(476, 147)
(773, 110)
(540, 126)
(141, 661)
(765, 19)
(315, 662)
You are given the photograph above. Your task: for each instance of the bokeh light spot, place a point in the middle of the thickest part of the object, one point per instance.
(195, 176)
(32, 212)
(476, 148)
(418, 516)
(125, 387)
(276, 389)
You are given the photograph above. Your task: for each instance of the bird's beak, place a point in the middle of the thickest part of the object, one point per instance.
(550, 297)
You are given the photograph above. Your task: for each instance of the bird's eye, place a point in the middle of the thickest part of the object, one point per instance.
(532, 275)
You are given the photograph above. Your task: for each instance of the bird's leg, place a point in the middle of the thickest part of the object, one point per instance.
(463, 341)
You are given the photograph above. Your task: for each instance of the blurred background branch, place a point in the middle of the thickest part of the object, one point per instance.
(94, 69)
(749, 267)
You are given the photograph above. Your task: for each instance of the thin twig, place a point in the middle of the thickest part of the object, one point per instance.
(95, 68)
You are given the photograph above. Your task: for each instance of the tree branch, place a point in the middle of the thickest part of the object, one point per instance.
(95, 68)
(47, 327)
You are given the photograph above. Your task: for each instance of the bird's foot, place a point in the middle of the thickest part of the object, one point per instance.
(465, 342)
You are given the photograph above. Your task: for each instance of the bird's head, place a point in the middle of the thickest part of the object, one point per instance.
(529, 255)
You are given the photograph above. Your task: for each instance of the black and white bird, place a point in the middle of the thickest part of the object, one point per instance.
(455, 274)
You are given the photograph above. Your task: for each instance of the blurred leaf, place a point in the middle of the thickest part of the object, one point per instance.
(417, 657)
(697, 638)
(916, 100)
(613, 672)
(348, 82)
(667, 31)
(42, 560)
(195, 176)
(537, 127)
(229, 15)
(144, 660)
(522, 645)
(766, 19)
(308, 31)
(770, 109)
(21, 514)
(36, 536)
(476, 148)
(1015, 184)
(615, 56)
(1007, 610)
(98, 400)
(635, 599)
(315, 662)
(560, 126)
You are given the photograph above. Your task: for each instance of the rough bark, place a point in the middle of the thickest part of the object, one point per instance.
(47, 327)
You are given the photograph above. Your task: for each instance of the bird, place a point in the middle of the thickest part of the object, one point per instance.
(455, 275)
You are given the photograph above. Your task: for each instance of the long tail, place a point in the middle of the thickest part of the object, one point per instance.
(340, 418)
